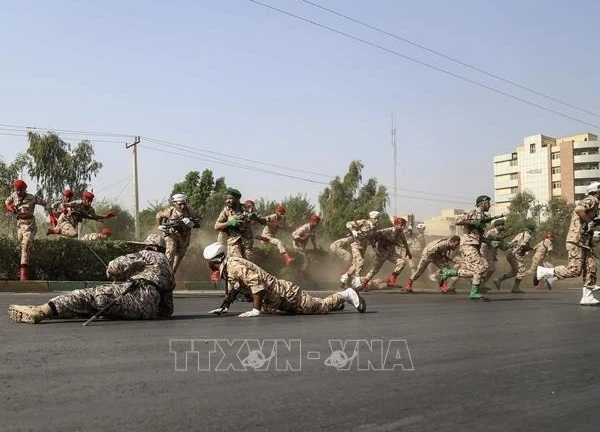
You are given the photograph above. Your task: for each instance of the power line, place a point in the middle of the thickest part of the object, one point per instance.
(64, 131)
(452, 59)
(422, 63)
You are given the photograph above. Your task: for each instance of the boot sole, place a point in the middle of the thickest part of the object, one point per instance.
(20, 316)
(481, 299)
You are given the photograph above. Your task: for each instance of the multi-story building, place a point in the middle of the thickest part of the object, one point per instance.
(547, 167)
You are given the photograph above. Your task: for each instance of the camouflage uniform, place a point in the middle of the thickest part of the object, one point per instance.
(77, 211)
(151, 298)
(489, 252)
(578, 240)
(240, 241)
(56, 209)
(26, 225)
(300, 238)
(436, 252)
(279, 294)
(541, 249)
(340, 248)
(473, 264)
(391, 246)
(177, 239)
(273, 223)
(365, 236)
(93, 236)
(515, 256)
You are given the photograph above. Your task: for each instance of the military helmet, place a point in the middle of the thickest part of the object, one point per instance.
(214, 251)
(482, 198)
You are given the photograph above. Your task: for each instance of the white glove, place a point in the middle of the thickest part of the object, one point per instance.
(188, 222)
(218, 310)
(163, 228)
(252, 313)
(354, 233)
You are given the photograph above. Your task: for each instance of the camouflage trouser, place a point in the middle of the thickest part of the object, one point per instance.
(286, 296)
(340, 249)
(176, 247)
(274, 241)
(66, 228)
(436, 259)
(387, 255)
(358, 258)
(473, 264)
(26, 230)
(490, 255)
(581, 260)
(537, 260)
(517, 265)
(242, 247)
(141, 303)
(300, 251)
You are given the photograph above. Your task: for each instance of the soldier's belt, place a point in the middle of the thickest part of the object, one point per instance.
(24, 217)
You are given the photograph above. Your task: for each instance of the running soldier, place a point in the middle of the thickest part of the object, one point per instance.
(436, 252)
(77, 211)
(363, 232)
(473, 265)
(273, 223)
(583, 219)
(103, 234)
(22, 205)
(519, 246)
(391, 246)
(489, 252)
(176, 223)
(302, 235)
(269, 293)
(143, 289)
(58, 207)
(541, 251)
(237, 224)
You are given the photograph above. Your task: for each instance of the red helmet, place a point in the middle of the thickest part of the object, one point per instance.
(249, 203)
(549, 235)
(314, 218)
(88, 195)
(280, 209)
(68, 193)
(19, 185)
(106, 231)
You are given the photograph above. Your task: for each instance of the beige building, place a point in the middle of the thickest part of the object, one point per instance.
(547, 167)
(443, 225)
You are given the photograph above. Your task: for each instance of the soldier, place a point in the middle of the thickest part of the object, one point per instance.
(237, 224)
(58, 207)
(540, 251)
(77, 211)
(269, 293)
(103, 234)
(436, 252)
(143, 289)
(363, 231)
(176, 223)
(491, 253)
(391, 246)
(583, 218)
(473, 265)
(22, 205)
(519, 246)
(302, 235)
(273, 223)
(341, 249)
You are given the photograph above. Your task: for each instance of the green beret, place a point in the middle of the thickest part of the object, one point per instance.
(482, 198)
(233, 192)
(498, 222)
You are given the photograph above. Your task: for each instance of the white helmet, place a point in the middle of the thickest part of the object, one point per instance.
(593, 187)
(421, 225)
(374, 214)
(214, 251)
(179, 198)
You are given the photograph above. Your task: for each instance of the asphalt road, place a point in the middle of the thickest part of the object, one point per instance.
(427, 362)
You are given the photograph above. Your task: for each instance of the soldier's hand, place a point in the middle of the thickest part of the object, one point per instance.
(494, 243)
(10, 208)
(251, 313)
(408, 254)
(219, 311)
(476, 223)
(110, 214)
(354, 233)
(233, 222)
(188, 222)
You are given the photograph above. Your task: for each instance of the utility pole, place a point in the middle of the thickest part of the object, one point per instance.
(395, 168)
(136, 196)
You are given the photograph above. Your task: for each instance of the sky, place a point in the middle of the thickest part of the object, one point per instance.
(215, 84)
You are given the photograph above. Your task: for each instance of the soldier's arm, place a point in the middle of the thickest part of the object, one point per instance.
(123, 267)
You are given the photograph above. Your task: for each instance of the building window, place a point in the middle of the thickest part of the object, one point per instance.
(531, 148)
(514, 162)
(513, 156)
(556, 170)
(555, 185)
(514, 176)
(514, 190)
(544, 144)
(555, 155)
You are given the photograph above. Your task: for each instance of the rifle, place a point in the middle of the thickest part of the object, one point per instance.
(169, 226)
(230, 297)
(110, 304)
(491, 218)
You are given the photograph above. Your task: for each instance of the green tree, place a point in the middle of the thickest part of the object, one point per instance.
(298, 209)
(54, 165)
(558, 218)
(347, 199)
(147, 217)
(8, 173)
(122, 226)
(200, 189)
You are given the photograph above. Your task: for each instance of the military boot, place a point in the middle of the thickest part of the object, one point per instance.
(476, 295)
(29, 314)
(445, 273)
(516, 289)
